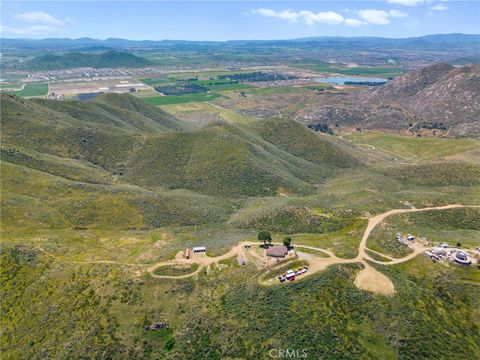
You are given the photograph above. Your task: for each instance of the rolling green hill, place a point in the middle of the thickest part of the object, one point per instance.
(109, 59)
(147, 147)
(94, 193)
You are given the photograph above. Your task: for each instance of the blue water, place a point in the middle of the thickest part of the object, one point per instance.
(340, 80)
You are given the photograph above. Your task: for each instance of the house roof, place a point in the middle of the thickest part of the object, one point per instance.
(277, 251)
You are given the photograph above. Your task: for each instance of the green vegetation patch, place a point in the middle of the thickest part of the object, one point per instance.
(344, 243)
(31, 90)
(156, 81)
(175, 270)
(355, 71)
(452, 226)
(326, 315)
(228, 87)
(166, 100)
(414, 148)
(109, 59)
(292, 220)
(440, 174)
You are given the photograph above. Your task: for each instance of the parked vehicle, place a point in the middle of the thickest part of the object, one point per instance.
(290, 276)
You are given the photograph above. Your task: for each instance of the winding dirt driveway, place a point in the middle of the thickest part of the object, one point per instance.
(368, 278)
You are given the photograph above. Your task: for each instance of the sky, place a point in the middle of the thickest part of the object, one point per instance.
(236, 20)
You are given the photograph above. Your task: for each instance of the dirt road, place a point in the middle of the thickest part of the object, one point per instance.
(368, 278)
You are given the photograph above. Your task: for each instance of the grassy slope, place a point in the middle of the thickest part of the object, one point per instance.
(451, 226)
(109, 59)
(227, 314)
(33, 199)
(124, 136)
(75, 199)
(413, 147)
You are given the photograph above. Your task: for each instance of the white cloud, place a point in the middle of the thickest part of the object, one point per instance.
(372, 16)
(380, 17)
(408, 2)
(285, 14)
(34, 30)
(377, 17)
(397, 14)
(310, 18)
(354, 22)
(328, 17)
(40, 17)
(438, 7)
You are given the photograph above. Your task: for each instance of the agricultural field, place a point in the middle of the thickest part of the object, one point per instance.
(168, 100)
(157, 81)
(30, 90)
(379, 71)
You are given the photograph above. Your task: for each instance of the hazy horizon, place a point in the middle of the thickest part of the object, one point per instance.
(236, 20)
(228, 40)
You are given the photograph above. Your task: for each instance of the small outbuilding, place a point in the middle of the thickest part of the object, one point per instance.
(438, 250)
(277, 251)
(199, 249)
(462, 258)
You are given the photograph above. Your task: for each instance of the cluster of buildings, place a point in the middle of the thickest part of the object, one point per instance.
(55, 96)
(281, 83)
(444, 252)
(440, 252)
(94, 74)
(406, 241)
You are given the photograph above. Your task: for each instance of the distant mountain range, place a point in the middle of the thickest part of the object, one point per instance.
(429, 40)
(109, 59)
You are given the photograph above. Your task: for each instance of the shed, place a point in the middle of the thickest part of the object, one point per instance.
(277, 251)
(462, 258)
(199, 249)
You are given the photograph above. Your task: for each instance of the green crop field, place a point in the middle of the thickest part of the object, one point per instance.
(212, 82)
(10, 86)
(228, 87)
(167, 100)
(155, 81)
(32, 90)
(355, 71)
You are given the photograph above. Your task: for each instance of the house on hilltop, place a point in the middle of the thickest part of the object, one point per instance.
(277, 251)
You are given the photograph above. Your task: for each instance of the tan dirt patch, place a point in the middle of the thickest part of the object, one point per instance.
(370, 279)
